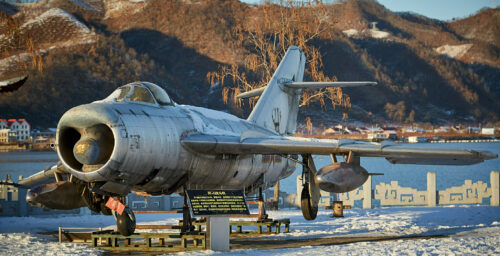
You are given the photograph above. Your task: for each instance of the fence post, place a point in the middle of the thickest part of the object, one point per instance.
(3, 191)
(431, 189)
(367, 193)
(495, 189)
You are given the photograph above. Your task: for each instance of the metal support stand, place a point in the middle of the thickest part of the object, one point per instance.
(186, 217)
(262, 208)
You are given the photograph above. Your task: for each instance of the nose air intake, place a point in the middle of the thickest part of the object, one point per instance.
(81, 147)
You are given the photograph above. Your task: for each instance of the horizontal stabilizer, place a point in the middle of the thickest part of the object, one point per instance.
(317, 85)
(251, 93)
(306, 85)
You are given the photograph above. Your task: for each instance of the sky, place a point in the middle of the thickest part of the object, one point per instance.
(437, 9)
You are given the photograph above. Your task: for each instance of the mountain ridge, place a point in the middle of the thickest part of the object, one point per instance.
(176, 43)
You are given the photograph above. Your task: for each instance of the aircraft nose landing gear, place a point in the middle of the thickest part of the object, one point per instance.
(125, 222)
(125, 218)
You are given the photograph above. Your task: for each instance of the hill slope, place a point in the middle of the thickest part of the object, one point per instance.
(444, 72)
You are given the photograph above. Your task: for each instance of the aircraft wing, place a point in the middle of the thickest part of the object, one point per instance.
(394, 153)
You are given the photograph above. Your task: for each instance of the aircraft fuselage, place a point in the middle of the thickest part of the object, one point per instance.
(147, 154)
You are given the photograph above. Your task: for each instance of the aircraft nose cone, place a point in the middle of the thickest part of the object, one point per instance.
(86, 151)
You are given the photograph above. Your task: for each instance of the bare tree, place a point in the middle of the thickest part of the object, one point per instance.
(309, 125)
(17, 41)
(267, 35)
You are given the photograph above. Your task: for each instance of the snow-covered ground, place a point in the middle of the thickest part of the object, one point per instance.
(375, 33)
(467, 230)
(453, 51)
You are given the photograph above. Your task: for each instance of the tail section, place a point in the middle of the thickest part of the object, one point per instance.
(278, 105)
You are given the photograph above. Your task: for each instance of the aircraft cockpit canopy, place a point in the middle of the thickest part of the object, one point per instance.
(142, 92)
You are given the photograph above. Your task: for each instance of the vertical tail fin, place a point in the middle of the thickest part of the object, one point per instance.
(278, 105)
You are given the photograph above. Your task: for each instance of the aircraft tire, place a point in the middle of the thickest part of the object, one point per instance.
(310, 212)
(125, 222)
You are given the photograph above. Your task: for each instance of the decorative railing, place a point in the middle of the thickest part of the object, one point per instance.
(393, 194)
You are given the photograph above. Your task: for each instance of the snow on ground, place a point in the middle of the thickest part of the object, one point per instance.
(378, 33)
(117, 7)
(469, 230)
(57, 13)
(351, 32)
(375, 33)
(453, 51)
(7, 63)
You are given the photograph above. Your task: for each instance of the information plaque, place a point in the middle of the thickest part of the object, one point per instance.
(217, 202)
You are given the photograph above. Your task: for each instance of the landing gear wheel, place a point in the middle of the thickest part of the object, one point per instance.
(125, 222)
(308, 210)
(309, 198)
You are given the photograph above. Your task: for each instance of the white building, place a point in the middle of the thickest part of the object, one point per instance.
(20, 127)
(488, 131)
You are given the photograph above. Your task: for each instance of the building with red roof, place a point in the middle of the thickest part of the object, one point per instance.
(20, 127)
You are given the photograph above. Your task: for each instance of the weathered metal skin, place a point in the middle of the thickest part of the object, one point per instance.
(147, 154)
(341, 177)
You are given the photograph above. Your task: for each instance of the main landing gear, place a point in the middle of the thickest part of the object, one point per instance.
(309, 198)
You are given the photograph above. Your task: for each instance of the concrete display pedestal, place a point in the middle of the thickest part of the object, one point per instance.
(218, 229)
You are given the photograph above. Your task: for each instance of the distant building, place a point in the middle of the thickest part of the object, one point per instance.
(416, 139)
(20, 127)
(413, 130)
(488, 131)
(329, 131)
(45, 134)
(390, 134)
(6, 136)
(473, 129)
(444, 129)
(376, 136)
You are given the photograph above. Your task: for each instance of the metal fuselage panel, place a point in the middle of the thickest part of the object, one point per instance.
(148, 155)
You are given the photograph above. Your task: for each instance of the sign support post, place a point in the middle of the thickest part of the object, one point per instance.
(218, 205)
(219, 233)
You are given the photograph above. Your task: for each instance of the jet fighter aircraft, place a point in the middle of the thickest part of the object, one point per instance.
(139, 140)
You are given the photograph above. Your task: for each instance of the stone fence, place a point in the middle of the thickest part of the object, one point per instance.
(394, 195)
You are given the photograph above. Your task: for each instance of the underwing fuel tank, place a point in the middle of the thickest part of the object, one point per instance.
(341, 177)
(62, 195)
